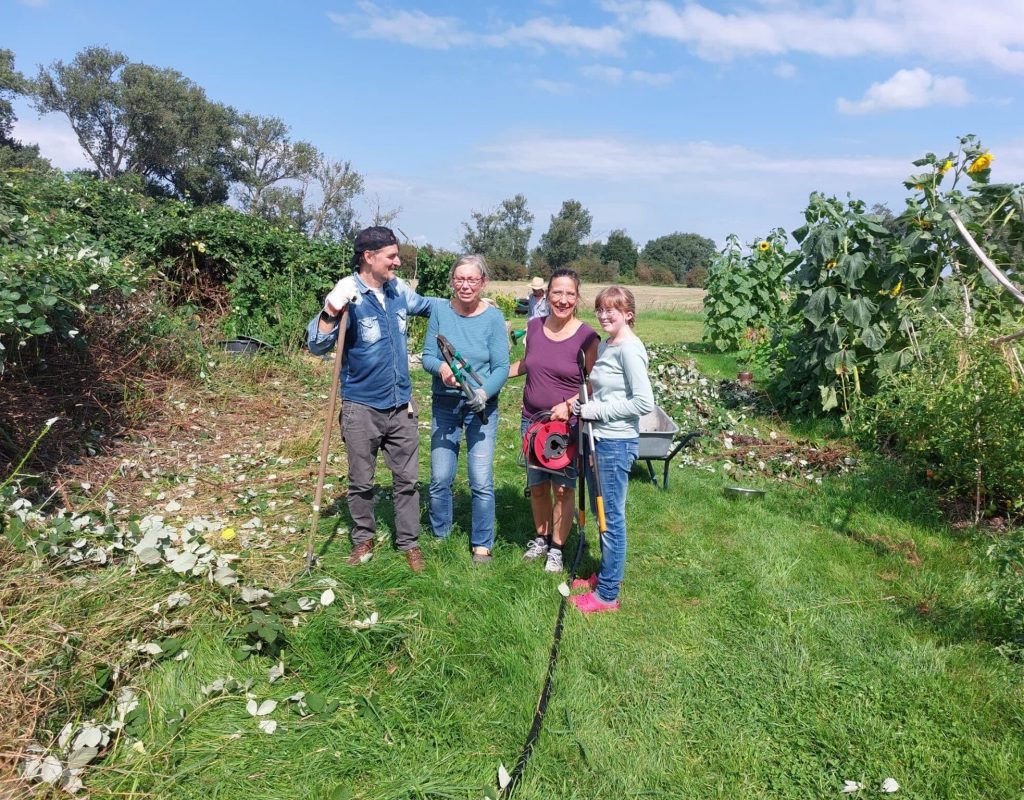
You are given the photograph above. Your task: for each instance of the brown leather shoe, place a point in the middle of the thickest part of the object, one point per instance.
(415, 559)
(361, 553)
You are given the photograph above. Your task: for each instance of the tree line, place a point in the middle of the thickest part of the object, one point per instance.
(154, 129)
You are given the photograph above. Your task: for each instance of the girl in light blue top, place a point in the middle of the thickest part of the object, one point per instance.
(476, 330)
(621, 395)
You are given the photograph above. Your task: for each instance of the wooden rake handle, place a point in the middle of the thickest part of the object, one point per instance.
(325, 443)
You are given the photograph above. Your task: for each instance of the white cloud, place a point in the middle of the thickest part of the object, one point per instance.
(908, 88)
(785, 70)
(554, 87)
(419, 29)
(615, 159)
(652, 78)
(571, 37)
(56, 141)
(404, 27)
(958, 32)
(612, 75)
(616, 75)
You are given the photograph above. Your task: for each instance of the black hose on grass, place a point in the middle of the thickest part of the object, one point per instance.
(545, 694)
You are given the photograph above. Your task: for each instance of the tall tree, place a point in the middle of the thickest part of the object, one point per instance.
(503, 233)
(332, 215)
(88, 92)
(381, 214)
(132, 117)
(679, 253)
(184, 141)
(563, 241)
(265, 155)
(320, 203)
(622, 249)
(13, 84)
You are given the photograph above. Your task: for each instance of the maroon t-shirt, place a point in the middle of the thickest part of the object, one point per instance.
(552, 372)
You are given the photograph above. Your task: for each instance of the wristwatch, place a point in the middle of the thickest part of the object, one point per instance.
(325, 317)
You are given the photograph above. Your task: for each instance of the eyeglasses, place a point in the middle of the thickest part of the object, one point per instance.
(607, 312)
(467, 281)
(561, 294)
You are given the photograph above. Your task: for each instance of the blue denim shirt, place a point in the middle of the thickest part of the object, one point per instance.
(375, 371)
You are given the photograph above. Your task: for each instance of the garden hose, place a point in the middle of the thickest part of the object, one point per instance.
(545, 695)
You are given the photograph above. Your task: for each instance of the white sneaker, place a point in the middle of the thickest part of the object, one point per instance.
(536, 548)
(554, 563)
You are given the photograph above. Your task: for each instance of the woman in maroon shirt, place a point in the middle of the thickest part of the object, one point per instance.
(552, 384)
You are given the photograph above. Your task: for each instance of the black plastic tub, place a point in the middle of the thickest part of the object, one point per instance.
(245, 346)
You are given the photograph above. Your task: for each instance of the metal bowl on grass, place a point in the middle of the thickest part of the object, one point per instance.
(744, 493)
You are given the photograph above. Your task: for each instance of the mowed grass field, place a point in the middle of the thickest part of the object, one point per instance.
(765, 650)
(648, 298)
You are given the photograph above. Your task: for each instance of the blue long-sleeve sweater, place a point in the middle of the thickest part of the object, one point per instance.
(482, 340)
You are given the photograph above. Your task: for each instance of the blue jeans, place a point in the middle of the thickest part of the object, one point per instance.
(450, 418)
(615, 459)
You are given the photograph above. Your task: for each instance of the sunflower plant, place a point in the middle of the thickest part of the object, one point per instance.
(865, 280)
(745, 291)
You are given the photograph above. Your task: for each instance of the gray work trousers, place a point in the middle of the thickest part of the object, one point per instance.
(394, 432)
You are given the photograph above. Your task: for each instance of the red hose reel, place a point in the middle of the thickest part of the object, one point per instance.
(549, 445)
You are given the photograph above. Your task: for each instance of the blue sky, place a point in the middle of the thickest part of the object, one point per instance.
(659, 116)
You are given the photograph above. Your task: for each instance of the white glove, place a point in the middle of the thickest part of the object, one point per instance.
(576, 407)
(478, 402)
(588, 411)
(344, 292)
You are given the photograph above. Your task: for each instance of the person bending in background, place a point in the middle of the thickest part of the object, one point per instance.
(552, 385)
(621, 395)
(476, 330)
(377, 413)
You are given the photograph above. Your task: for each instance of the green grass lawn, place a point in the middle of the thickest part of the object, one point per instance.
(764, 649)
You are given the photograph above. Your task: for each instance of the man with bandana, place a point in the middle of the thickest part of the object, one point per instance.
(377, 413)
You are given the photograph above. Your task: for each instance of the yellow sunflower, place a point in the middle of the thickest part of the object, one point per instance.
(981, 163)
(764, 247)
(947, 165)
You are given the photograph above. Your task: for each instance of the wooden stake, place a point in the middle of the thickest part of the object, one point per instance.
(325, 443)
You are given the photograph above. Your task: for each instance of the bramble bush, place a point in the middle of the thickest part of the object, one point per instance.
(432, 269)
(1004, 591)
(955, 416)
(52, 270)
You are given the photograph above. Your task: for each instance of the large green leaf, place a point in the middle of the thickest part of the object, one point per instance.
(852, 267)
(874, 337)
(819, 304)
(858, 311)
(829, 400)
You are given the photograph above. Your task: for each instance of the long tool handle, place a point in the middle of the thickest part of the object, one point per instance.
(602, 527)
(325, 443)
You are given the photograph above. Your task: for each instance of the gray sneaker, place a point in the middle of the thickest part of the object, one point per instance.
(554, 563)
(536, 548)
